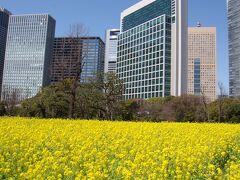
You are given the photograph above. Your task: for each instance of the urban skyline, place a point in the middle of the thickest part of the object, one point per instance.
(172, 71)
(32, 58)
(96, 21)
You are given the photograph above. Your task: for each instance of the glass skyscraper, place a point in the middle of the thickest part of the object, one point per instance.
(93, 49)
(69, 53)
(28, 55)
(152, 49)
(234, 46)
(111, 50)
(4, 18)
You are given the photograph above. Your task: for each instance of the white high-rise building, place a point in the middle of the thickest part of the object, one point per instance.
(179, 66)
(110, 63)
(152, 49)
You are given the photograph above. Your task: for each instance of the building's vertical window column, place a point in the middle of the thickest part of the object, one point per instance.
(167, 58)
(197, 76)
(173, 7)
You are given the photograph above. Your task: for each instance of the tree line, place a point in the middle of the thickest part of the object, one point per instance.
(101, 99)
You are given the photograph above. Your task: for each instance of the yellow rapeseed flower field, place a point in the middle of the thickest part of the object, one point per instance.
(64, 149)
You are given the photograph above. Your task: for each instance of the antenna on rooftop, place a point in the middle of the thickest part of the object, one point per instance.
(199, 24)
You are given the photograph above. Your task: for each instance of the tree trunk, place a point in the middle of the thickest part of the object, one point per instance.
(73, 99)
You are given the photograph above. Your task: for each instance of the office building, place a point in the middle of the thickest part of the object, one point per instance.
(111, 50)
(66, 59)
(152, 49)
(202, 62)
(234, 47)
(69, 54)
(28, 55)
(93, 49)
(4, 18)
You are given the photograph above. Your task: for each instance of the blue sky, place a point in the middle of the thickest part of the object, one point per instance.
(99, 15)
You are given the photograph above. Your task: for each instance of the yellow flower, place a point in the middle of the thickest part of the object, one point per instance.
(61, 149)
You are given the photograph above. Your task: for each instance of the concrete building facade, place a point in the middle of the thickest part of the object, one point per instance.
(202, 62)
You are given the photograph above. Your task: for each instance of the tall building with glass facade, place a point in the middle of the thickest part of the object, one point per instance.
(234, 46)
(202, 62)
(4, 18)
(111, 50)
(28, 55)
(93, 50)
(152, 49)
(71, 53)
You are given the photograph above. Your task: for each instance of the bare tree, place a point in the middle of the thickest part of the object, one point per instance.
(76, 31)
(205, 103)
(10, 99)
(70, 62)
(222, 95)
(68, 52)
(112, 90)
